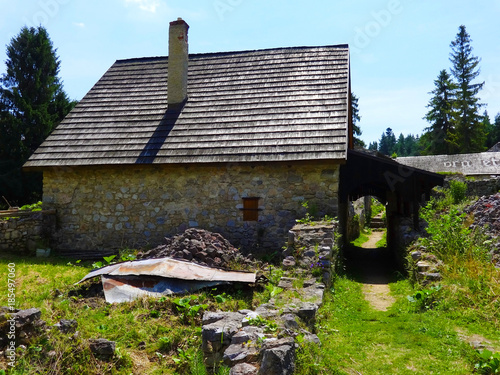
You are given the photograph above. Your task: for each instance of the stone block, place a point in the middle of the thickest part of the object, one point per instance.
(239, 353)
(244, 369)
(102, 348)
(278, 357)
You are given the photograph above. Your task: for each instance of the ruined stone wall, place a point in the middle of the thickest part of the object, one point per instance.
(22, 234)
(478, 186)
(103, 208)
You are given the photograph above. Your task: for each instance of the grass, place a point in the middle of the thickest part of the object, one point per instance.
(152, 336)
(363, 237)
(383, 241)
(359, 340)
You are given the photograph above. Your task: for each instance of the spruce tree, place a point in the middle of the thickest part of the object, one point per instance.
(355, 119)
(441, 116)
(373, 146)
(387, 142)
(469, 134)
(32, 103)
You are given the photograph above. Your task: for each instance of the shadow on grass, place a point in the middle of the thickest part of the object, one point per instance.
(371, 265)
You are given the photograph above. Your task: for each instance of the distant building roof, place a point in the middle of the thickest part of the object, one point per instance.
(284, 104)
(483, 163)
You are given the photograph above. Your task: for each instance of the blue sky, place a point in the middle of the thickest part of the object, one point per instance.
(398, 47)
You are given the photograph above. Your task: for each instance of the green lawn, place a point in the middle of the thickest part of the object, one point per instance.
(404, 340)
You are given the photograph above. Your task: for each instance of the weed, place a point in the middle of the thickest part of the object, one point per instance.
(107, 261)
(165, 344)
(154, 314)
(273, 290)
(425, 299)
(275, 275)
(187, 310)
(328, 219)
(488, 363)
(308, 218)
(317, 269)
(222, 298)
(269, 326)
(450, 236)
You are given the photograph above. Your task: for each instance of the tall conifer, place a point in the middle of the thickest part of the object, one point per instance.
(469, 134)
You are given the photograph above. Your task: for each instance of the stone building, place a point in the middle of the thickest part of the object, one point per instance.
(232, 142)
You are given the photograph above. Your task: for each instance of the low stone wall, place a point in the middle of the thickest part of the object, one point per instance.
(477, 187)
(103, 208)
(243, 341)
(24, 233)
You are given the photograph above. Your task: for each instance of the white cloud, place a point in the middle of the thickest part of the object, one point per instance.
(79, 24)
(146, 5)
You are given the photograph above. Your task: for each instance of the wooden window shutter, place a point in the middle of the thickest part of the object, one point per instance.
(251, 209)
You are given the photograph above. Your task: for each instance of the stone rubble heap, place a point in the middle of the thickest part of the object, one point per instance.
(202, 247)
(486, 213)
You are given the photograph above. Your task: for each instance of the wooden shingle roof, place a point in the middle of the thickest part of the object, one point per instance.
(283, 104)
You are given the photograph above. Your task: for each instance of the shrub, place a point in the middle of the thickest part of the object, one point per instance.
(458, 190)
(450, 236)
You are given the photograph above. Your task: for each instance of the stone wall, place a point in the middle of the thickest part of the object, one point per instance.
(103, 208)
(22, 234)
(477, 187)
(246, 346)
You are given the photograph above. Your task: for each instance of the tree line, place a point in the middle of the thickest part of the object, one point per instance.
(457, 125)
(32, 103)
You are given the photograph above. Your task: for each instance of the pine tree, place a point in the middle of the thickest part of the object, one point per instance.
(387, 142)
(469, 134)
(32, 103)
(355, 119)
(440, 115)
(373, 146)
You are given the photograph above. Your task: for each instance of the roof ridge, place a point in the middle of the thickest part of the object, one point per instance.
(226, 53)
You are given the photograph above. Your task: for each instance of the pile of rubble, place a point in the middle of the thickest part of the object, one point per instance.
(202, 247)
(486, 213)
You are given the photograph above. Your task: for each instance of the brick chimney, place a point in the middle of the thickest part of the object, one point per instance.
(177, 63)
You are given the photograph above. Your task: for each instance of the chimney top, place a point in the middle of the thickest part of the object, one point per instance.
(179, 21)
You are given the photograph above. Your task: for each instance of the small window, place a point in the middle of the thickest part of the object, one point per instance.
(251, 209)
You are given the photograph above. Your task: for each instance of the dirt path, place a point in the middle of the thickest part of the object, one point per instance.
(373, 239)
(373, 268)
(376, 287)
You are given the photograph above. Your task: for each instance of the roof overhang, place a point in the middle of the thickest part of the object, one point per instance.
(377, 175)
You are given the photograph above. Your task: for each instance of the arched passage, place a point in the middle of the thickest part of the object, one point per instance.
(402, 189)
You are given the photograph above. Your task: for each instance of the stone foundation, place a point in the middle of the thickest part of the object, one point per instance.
(108, 208)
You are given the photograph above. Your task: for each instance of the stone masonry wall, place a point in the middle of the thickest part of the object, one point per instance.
(21, 234)
(103, 208)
